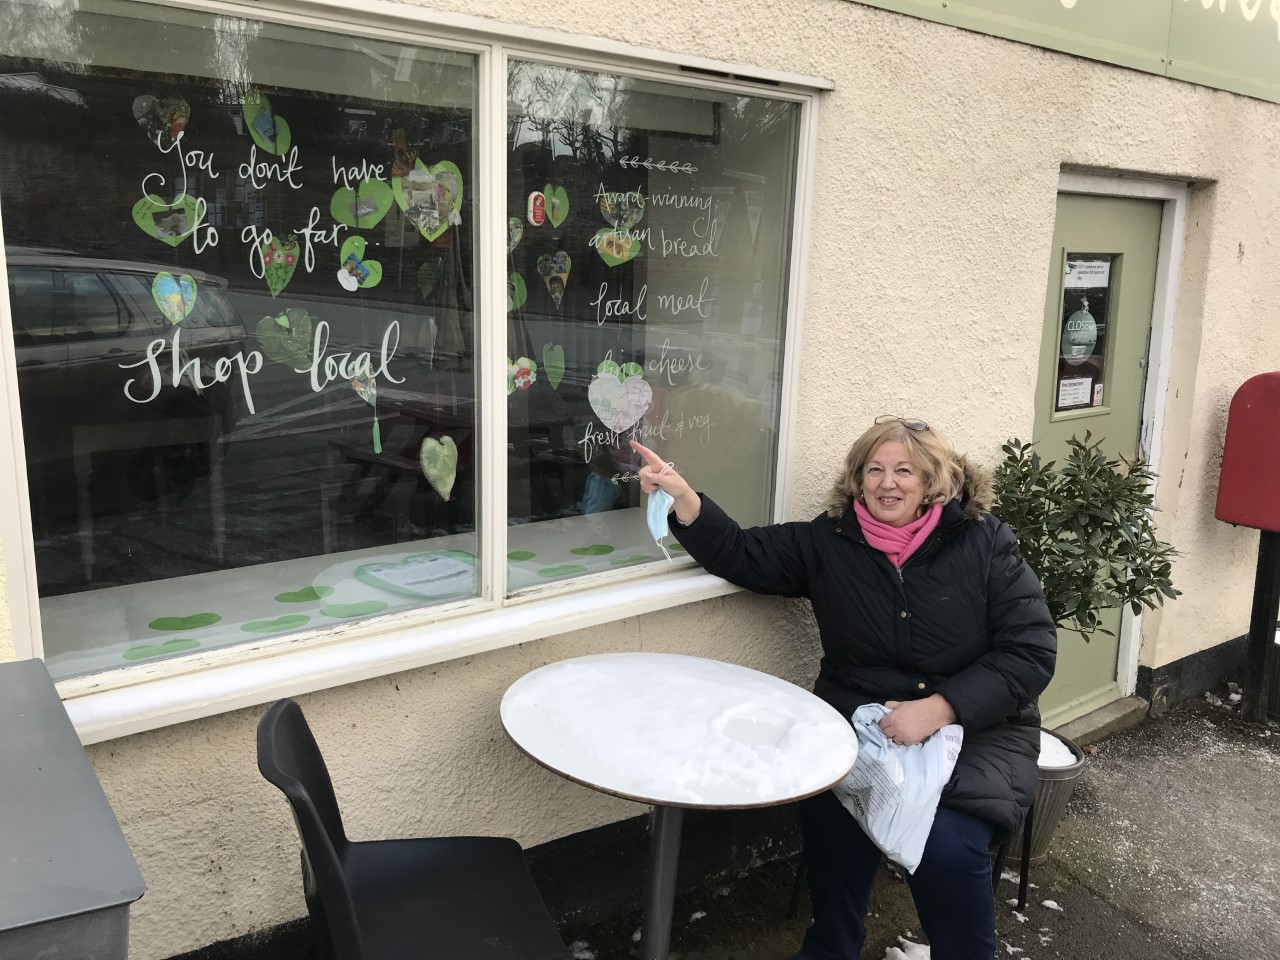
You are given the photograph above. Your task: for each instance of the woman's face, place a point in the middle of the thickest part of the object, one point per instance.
(892, 485)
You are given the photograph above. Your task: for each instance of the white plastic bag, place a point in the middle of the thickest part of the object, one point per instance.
(893, 791)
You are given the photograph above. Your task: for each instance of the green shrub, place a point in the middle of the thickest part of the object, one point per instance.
(1087, 529)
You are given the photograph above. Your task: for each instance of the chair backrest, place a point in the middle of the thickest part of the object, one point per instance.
(289, 758)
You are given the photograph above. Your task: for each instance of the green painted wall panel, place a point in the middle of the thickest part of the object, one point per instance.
(1228, 44)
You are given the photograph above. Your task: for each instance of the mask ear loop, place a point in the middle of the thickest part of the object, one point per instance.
(662, 546)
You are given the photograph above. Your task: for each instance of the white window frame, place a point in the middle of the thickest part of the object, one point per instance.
(141, 697)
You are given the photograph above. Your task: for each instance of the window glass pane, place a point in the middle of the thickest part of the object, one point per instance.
(242, 285)
(649, 240)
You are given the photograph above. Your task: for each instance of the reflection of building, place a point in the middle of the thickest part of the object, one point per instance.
(886, 254)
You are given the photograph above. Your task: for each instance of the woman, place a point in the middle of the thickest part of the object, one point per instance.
(923, 604)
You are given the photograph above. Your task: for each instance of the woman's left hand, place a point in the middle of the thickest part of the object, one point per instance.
(909, 722)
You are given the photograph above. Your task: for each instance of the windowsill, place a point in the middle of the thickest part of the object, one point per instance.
(148, 705)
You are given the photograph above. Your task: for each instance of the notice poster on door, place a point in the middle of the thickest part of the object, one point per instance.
(1082, 340)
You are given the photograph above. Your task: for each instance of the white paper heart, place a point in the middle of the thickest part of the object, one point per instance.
(619, 403)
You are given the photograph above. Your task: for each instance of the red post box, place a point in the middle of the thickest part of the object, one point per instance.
(1249, 486)
(1249, 495)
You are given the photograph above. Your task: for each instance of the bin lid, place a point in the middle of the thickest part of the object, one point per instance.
(62, 852)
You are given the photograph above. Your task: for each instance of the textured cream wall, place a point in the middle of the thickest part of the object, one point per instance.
(939, 158)
(7, 651)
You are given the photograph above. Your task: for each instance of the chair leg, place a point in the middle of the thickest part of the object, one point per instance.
(798, 886)
(1026, 858)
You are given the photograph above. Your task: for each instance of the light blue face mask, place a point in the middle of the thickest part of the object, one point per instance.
(659, 506)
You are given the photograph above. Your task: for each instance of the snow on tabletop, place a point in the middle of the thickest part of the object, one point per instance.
(1054, 753)
(675, 729)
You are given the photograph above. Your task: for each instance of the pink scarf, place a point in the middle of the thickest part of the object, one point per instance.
(897, 543)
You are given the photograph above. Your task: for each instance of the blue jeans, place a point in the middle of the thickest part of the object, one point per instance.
(951, 887)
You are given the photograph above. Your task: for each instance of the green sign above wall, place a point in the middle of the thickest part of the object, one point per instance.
(1229, 44)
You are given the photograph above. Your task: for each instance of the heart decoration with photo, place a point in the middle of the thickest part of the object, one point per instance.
(431, 197)
(175, 296)
(169, 223)
(161, 120)
(269, 130)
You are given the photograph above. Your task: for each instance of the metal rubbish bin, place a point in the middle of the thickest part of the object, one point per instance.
(1053, 790)
(67, 876)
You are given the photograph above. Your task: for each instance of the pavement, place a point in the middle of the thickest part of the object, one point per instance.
(1169, 850)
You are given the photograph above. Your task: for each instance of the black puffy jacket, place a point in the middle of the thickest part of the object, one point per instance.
(964, 617)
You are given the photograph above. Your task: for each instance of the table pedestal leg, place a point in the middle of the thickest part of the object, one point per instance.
(664, 855)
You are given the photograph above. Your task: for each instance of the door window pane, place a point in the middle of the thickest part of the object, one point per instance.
(241, 272)
(648, 246)
(1082, 344)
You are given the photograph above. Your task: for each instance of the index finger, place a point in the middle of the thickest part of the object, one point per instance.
(651, 458)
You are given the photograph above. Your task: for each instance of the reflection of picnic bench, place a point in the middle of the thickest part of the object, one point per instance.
(402, 433)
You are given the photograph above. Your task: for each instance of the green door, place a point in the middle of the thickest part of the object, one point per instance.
(1093, 362)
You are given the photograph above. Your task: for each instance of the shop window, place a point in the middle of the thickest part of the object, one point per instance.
(242, 276)
(648, 237)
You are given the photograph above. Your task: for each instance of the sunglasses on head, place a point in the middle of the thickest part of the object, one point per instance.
(919, 426)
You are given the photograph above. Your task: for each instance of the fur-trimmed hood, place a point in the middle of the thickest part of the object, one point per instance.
(977, 495)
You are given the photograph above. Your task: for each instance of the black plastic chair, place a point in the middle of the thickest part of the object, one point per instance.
(451, 898)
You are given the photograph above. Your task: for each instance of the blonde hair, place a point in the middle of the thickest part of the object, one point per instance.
(941, 469)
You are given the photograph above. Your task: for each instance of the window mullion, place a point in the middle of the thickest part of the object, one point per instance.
(491, 328)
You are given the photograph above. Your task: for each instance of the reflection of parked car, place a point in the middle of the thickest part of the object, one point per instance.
(78, 327)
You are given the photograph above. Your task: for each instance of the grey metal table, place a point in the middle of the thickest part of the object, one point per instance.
(677, 732)
(67, 876)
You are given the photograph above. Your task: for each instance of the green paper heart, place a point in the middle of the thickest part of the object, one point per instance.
(175, 296)
(363, 608)
(193, 622)
(269, 130)
(609, 368)
(363, 206)
(146, 650)
(616, 246)
(369, 574)
(439, 460)
(431, 197)
(515, 230)
(557, 204)
(286, 338)
(279, 260)
(553, 363)
(360, 272)
(595, 550)
(286, 622)
(625, 561)
(676, 548)
(564, 570)
(429, 275)
(305, 595)
(518, 556)
(168, 223)
(517, 292)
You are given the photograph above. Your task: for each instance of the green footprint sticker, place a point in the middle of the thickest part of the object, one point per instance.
(305, 595)
(518, 556)
(148, 650)
(193, 622)
(564, 570)
(362, 609)
(595, 550)
(287, 622)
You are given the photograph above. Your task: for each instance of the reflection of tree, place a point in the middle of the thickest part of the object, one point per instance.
(43, 30)
(229, 59)
(578, 112)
